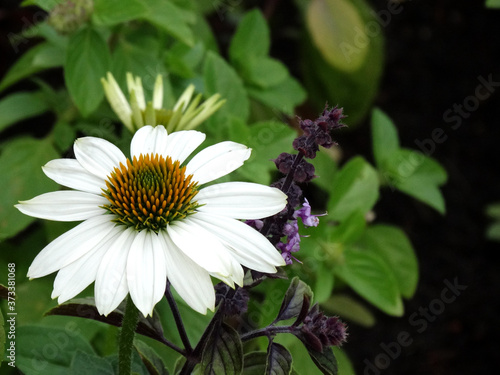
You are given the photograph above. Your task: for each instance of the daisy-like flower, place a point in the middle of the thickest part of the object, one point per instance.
(149, 217)
(186, 114)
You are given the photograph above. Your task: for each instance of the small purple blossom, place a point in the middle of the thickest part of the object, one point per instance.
(305, 214)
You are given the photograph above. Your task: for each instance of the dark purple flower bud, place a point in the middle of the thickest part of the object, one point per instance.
(294, 192)
(284, 162)
(306, 125)
(304, 172)
(307, 147)
(330, 331)
(256, 224)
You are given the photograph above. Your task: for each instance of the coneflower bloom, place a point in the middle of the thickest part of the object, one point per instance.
(150, 217)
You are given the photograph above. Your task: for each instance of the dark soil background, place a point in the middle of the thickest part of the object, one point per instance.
(435, 53)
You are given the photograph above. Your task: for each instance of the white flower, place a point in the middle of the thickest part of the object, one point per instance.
(187, 113)
(148, 218)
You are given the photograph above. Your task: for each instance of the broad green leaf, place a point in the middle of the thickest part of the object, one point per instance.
(85, 308)
(355, 189)
(46, 5)
(223, 353)
(279, 360)
(220, 77)
(335, 26)
(349, 230)
(151, 360)
(87, 57)
(324, 282)
(417, 175)
(112, 12)
(174, 20)
(343, 361)
(48, 350)
(22, 179)
(354, 90)
(392, 244)
(492, 3)
(384, 137)
(298, 294)
(370, 276)
(263, 72)
(325, 361)
(283, 97)
(42, 56)
(19, 106)
(84, 363)
(350, 309)
(267, 140)
(326, 167)
(251, 38)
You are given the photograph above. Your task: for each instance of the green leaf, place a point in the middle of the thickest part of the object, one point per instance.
(21, 170)
(85, 363)
(384, 136)
(348, 308)
(87, 56)
(334, 25)
(151, 360)
(254, 363)
(325, 361)
(326, 168)
(493, 232)
(493, 210)
(113, 12)
(85, 308)
(492, 3)
(46, 5)
(251, 38)
(297, 294)
(174, 20)
(220, 77)
(370, 276)
(267, 139)
(263, 72)
(223, 352)
(324, 283)
(392, 245)
(417, 175)
(48, 350)
(279, 360)
(19, 106)
(343, 361)
(42, 56)
(283, 97)
(355, 189)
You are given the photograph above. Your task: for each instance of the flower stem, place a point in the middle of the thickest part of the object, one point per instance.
(178, 319)
(268, 331)
(127, 337)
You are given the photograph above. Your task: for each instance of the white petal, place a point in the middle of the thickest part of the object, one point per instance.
(64, 205)
(71, 245)
(191, 281)
(76, 276)
(158, 93)
(182, 143)
(135, 85)
(217, 161)
(241, 200)
(98, 156)
(111, 279)
(249, 247)
(69, 173)
(146, 271)
(202, 247)
(149, 140)
(118, 101)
